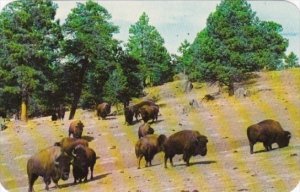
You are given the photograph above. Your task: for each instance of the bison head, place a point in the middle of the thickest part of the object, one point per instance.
(78, 130)
(150, 130)
(62, 163)
(80, 157)
(201, 145)
(128, 115)
(284, 140)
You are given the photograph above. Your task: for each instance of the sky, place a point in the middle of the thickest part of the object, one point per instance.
(179, 20)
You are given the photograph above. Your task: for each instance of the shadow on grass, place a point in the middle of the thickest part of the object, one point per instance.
(197, 163)
(98, 177)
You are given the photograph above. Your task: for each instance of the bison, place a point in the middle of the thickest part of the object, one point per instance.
(145, 129)
(61, 112)
(58, 113)
(149, 112)
(76, 128)
(103, 110)
(50, 163)
(68, 144)
(84, 158)
(133, 110)
(186, 142)
(148, 147)
(128, 113)
(268, 132)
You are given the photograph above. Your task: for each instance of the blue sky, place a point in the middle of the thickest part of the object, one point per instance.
(179, 20)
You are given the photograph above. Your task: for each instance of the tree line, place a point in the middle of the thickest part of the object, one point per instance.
(45, 64)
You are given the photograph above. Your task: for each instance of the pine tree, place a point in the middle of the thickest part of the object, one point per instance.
(29, 38)
(88, 46)
(235, 42)
(146, 45)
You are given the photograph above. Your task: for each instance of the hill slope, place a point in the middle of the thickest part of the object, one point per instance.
(228, 165)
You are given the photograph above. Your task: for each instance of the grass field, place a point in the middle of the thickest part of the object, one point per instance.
(228, 165)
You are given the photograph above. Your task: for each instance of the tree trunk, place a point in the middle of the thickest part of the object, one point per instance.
(24, 106)
(77, 92)
(231, 89)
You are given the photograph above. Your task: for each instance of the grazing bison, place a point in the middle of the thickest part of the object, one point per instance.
(268, 132)
(145, 129)
(186, 142)
(103, 110)
(76, 128)
(149, 112)
(148, 147)
(50, 163)
(68, 144)
(133, 110)
(128, 113)
(84, 158)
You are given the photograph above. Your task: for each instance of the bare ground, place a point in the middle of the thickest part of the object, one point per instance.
(228, 166)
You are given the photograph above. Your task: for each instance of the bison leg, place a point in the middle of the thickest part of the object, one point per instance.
(251, 147)
(31, 180)
(266, 146)
(186, 158)
(47, 181)
(270, 147)
(139, 161)
(166, 159)
(171, 161)
(92, 171)
(86, 176)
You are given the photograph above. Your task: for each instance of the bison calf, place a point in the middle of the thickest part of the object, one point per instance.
(76, 128)
(148, 147)
(268, 132)
(186, 142)
(84, 158)
(145, 129)
(50, 163)
(103, 110)
(68, 144)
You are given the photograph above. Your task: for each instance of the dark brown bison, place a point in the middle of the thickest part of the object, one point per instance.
(186, 142)
(268, 132)
(76, 128)
(58, 113)
(145, 129)
(84, 158)
(61, 112)
(149, 112)
(103, 110)
(133, 110)
(50, 163)
(148, 147)
(68, 144)
(128, 113)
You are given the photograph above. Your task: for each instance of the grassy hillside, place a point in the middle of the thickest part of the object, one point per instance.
(228, 165)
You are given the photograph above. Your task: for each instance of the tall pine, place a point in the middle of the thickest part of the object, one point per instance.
(146, 45)
(29, 38)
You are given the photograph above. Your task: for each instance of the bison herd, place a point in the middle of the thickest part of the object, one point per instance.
(54, 162)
